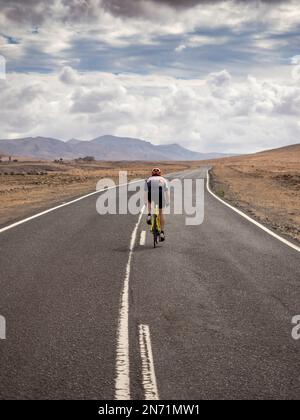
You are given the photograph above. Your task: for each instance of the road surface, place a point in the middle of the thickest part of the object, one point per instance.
(208, 315)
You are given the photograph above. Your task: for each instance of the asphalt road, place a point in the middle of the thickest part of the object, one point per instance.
(216, 302)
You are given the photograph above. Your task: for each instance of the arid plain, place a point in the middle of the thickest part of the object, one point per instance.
(265, 185)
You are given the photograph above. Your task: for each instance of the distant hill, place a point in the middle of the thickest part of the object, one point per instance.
(180, 153)
(291, 149)
(39, 147)
(73, 142)
(109, 148)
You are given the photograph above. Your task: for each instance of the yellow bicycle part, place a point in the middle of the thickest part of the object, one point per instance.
(156, 218)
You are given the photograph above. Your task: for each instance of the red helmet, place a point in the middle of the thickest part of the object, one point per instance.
(156, 172)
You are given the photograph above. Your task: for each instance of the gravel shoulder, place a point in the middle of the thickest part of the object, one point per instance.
(266, 186)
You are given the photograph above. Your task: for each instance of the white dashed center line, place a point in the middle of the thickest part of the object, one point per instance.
(143, 238)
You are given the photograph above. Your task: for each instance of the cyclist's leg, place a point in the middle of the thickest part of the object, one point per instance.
(149, 217)
(149, 205)
(162, 224)
(149, 200)
(162, 219)
(162, 204)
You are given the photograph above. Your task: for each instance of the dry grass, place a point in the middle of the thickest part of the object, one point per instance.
(266, 185)
(27, 187)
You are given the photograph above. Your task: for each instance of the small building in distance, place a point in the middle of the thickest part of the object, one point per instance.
(6, 159)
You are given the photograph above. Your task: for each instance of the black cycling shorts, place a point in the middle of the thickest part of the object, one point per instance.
(161, 199)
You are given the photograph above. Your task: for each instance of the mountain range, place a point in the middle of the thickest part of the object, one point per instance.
(107, 148)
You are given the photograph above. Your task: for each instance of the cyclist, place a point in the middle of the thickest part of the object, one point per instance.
(157, 192)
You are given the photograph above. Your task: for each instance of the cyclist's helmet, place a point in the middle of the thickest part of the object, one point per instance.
(156, 172)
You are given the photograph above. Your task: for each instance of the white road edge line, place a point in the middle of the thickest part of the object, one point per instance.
(64, 205)
(148, 371)
(143, 238)
(122, 383)
(264, 228)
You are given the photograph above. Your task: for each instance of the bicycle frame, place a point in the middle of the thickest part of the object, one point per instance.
(156, 226)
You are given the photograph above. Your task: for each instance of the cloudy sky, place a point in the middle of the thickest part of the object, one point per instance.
(211, 75)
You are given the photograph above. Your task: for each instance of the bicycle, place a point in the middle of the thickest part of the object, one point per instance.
(156, 227)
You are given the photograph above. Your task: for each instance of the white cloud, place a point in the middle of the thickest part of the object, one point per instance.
(197, 41)
(69, 76)
(217, 113)
(295, 59)
(296, 73)
(264, 43)
(223, 78)
(180, 48)
(60, 22)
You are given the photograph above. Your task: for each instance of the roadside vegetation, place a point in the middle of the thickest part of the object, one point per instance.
(27, 187)
(265, 185)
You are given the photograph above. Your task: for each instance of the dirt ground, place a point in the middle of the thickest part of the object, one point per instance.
(28, 187)
(265, 185)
